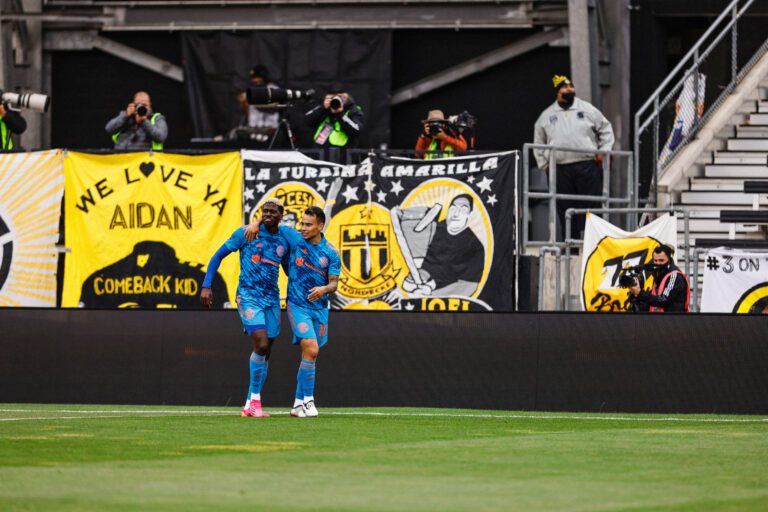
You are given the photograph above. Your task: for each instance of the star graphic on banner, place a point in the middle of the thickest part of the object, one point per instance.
(370, 185)
(350, 194)
(322, 185)
(261, 188)
(470, 179)
(485, 184)
(397, 187)
(381, 196)
(409, 307)
(492, 200)
(248, 194)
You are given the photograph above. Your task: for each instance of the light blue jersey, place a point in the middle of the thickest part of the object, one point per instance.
(259, 266)
(309, 267)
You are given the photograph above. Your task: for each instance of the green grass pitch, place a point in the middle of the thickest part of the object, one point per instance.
(114, 458)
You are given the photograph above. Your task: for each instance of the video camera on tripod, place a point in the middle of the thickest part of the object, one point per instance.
(32, 101)
(276, 97)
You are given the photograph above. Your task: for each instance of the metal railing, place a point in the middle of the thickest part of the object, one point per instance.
(650, 114)
(552, 196)
(571, 243)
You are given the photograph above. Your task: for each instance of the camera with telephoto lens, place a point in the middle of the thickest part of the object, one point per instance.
(142, 109)
(267, 95)
(32, 101)
(337, 102)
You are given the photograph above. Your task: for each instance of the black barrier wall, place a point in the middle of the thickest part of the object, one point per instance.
(550, 361)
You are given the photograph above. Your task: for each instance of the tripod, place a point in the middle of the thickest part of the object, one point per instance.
(284, 124)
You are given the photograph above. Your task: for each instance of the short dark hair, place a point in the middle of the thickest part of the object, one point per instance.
(317, 212)
(664, 248)
(467, 197)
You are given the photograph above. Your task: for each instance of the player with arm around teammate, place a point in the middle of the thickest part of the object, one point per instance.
(258, 297)
(313, 274)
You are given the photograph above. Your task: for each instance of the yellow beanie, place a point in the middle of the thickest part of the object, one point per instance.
(559, 80)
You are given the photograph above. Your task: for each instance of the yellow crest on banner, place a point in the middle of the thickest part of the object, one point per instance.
(141, 228)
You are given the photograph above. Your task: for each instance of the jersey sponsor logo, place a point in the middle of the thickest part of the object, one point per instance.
(256, 258)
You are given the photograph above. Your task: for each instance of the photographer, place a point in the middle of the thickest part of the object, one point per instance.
(10, 122)
(138, 127)
(338, 120)
(670, 291)
(438, 138)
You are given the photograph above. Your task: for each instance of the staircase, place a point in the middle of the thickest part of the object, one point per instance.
(739, 152)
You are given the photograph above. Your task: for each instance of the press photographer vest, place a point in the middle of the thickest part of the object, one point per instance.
(659, 287)
(156, 146)
(433, 147)
(337, 137)
(5, 133)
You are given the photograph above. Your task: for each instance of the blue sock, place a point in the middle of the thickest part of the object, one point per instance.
(264, 374)
(299, 390)
(307, 377)
(258, 372)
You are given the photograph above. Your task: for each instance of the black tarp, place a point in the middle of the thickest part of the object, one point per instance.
(216, 68)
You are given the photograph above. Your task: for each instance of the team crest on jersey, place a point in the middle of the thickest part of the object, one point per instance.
(280, 250)
(323, 261)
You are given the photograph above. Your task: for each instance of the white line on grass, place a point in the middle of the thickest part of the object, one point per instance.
(121, 413)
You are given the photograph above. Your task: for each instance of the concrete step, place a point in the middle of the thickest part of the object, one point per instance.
(748, 144)
(740, 157)
(696, 226)
(762, 107)
(758, 119)
(706, 211)
(717, 184)
(751, 171)
(721, 198)
(746, 131)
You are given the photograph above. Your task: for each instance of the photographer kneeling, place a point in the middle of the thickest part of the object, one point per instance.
(137, 127)
(670, 291)
(438, 139)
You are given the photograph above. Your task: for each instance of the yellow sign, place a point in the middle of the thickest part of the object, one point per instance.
(601, 290)
(141, 228)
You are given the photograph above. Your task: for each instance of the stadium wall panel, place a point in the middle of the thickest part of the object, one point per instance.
(523, 361)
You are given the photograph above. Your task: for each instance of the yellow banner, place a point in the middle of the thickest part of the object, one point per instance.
(31, 186)
(141, 228)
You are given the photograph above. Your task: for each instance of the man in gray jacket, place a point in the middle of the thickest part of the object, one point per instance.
(573, 123)
(138, 127)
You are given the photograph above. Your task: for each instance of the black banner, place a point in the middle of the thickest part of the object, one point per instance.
(415, 235)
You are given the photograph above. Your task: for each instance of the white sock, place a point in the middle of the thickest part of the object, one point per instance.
(256, 396)
(297, 402)
(308, 399)
(247, 403)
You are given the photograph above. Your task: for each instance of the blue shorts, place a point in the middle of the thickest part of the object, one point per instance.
(259, 318)
(308, 323)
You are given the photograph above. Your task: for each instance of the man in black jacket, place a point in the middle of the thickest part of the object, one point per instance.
(670, 291)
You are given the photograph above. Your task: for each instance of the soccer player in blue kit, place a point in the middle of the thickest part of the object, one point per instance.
(313, 274)
(258, 297)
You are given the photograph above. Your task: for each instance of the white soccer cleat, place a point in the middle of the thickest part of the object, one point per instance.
(310, 411)
(298, 411)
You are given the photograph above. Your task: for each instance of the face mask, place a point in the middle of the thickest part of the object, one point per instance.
(569, 96)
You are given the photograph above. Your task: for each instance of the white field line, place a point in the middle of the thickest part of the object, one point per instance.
(121, 413)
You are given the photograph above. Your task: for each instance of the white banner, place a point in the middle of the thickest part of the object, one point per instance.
(735, 282)
(31, 187)
(608, 249)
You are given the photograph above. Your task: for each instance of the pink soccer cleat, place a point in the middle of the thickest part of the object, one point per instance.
(253, 410)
